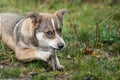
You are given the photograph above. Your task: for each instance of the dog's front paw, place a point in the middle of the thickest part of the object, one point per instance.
(60, 67)
(45, 56)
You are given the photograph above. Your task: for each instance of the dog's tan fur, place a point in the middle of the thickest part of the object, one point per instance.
(18, 32)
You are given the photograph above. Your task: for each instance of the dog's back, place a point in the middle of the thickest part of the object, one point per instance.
(7, 24)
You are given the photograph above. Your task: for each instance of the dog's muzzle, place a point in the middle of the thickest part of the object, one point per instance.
(60, 45)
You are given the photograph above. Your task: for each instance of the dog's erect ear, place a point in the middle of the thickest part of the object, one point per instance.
(31, 22)
(60, 13)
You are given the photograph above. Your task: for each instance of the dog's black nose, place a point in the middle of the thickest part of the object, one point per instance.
(60, 45)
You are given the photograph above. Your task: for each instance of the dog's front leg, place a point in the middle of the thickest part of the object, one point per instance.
(59, 66)
(30, 54)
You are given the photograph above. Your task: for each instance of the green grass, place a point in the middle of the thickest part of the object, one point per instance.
(78, 65)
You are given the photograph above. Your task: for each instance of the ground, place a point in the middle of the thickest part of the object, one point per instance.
(92, 36)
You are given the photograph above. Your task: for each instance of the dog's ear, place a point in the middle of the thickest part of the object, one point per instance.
(35, 18)
(31, 22)
(60, 13)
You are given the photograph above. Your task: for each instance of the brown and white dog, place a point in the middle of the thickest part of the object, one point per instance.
(32, 36)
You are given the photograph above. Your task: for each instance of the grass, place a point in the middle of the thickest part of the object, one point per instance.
(84, 58)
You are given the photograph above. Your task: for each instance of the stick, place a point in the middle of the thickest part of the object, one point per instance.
(53, 59)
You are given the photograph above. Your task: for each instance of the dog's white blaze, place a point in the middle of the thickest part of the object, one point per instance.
(53, 23)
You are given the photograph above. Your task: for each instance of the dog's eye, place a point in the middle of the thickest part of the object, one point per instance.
(50, 33)
(59, 30)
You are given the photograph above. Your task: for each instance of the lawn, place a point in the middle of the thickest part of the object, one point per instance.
(92, 36)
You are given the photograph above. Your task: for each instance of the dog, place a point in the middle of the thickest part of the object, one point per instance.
(31, 36)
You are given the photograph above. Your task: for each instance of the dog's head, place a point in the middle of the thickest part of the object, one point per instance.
(46, 28)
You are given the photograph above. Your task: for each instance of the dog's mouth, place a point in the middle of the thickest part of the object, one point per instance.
(58, 49)
(55, 48)
(59, 46)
